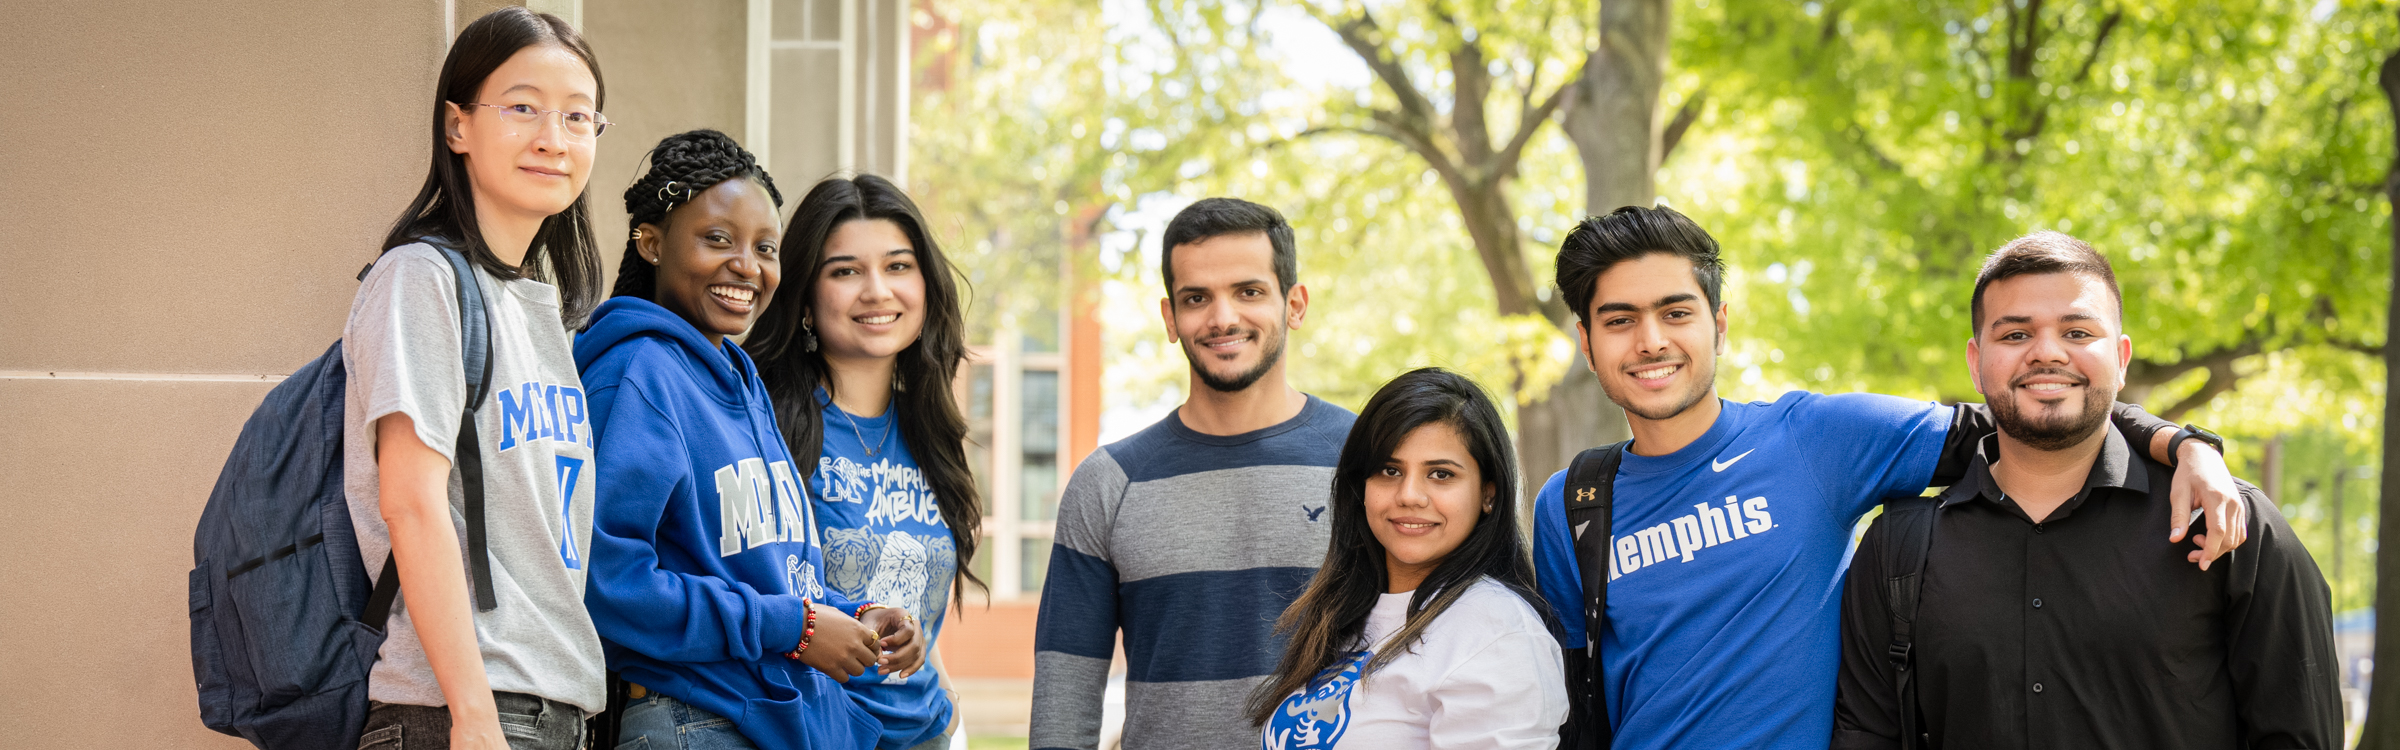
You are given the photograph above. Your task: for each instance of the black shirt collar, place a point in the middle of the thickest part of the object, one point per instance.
(2116, 468)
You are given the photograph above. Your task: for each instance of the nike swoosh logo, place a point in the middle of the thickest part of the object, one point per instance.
(1720, 465)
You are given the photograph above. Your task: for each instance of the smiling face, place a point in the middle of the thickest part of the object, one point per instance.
(719, 258)
(526, 170)
(2050, 358)
(1651, 337)
(1227, 310)
(870, 293)
(1424, 502)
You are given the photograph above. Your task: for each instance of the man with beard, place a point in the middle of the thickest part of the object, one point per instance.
(1191, 536)
(2045, 614)
(1731, 522)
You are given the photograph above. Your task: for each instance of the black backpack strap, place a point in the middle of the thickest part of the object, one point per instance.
(475, 350)
(1589, 493)
(1908, 540)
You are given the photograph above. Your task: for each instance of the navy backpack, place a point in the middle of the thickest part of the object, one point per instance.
(284, 626)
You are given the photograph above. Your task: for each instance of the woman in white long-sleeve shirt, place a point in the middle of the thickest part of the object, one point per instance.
(1423, 628)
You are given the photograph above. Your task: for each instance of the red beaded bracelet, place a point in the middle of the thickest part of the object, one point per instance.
(808, 627)
(863, 609)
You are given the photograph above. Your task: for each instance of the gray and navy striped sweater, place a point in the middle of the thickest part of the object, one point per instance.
(1192, 545)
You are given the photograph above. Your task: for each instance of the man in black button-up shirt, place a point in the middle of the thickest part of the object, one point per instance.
(2047, 617)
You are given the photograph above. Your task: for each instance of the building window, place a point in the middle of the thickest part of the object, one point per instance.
(1038, 472)
(1016, 406)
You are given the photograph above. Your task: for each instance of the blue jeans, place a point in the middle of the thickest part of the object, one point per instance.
(657, 722)
(530, 723)
(941, 742)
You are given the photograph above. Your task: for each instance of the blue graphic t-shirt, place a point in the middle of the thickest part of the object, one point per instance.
(1724, 594)
(885, 542)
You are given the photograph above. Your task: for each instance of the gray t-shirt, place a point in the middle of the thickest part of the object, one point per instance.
(401, 347)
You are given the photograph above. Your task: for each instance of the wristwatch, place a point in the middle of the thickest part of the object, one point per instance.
(2195, 432)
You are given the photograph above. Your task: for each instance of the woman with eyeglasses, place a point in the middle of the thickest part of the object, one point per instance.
(1423, 628)
(514, 128)
(858, 354)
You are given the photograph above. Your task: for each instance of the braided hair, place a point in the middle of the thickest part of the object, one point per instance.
(681, 167)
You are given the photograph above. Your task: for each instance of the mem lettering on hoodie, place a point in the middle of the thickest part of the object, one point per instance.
(703, 544)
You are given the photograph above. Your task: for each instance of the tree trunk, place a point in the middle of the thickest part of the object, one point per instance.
(1492, 223)
(1614, 123)
(2382, 731)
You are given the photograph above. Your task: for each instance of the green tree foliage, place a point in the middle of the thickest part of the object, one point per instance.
(1860, 158)
(1032, 117)
(1870, 153)
(1856, 159)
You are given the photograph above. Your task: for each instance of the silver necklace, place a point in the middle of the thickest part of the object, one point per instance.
(862, 434)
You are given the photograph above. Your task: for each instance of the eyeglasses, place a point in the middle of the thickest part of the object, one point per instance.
(582, 125)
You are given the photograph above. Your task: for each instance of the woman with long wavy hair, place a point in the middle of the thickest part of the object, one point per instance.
(858, 354)
(1423, 628)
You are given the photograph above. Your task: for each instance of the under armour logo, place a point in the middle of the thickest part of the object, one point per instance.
(1586, 494)
(1314, 512)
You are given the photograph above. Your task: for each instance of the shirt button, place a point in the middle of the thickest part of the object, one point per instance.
(2037, 604)
(2037, 528)
(2037, 687)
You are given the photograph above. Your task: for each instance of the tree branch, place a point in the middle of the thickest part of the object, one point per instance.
(1364, 37)
(1684, 117)
(2372, 350)
(2221, 378)
(1470, 87)
(1531, 121)
(2145, 373)
(1383, 128)
(2107, 26)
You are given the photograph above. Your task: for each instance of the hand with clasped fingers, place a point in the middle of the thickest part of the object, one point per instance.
(842, 648)
(901, 640)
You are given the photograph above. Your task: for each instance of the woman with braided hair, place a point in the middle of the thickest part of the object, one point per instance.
(705, 583)
(859, 359)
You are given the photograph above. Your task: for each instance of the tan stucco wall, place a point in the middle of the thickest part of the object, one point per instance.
(671, 67)
(184, 188)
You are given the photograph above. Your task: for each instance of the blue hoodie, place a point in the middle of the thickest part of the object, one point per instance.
(702, 540)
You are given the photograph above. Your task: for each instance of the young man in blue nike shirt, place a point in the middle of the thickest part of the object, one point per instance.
(1731, 522)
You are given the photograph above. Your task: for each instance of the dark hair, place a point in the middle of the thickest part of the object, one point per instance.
(1217, 217)
(2044, 252)
(1329, 618)
(930, 423)
(1601, 242)
(681, 167)
(562, 252)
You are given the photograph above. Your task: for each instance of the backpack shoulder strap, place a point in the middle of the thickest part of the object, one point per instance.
(1590, 486)
(475, 350)
(1908, 540)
